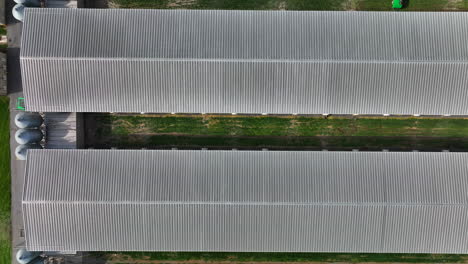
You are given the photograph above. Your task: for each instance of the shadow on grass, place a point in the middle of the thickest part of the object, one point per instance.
(281, 257)
(338, 143)
(406, 3)
(135, 132)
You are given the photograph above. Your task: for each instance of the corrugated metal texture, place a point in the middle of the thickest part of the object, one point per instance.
(245, 228)
(278, 62)
(219, 34)
(245, 87)
(201, 227)
(107, 200)
(247, 176)
(426, 229)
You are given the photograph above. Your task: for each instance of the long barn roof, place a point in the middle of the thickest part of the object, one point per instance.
(114, 200)
(213, 61)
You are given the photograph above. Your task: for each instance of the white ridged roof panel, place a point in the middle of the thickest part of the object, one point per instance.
(247, 177)
(166, 200)
(245, 35)
(214, 61)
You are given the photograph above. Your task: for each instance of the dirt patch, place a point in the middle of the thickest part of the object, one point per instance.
(350, 5)
(112, 4)
(293, 127)
(130, 128)
(282, 5)
(148, 134)
(293, 124)
(208, 121)
(452, 5)
(121, 122)
(180, 3)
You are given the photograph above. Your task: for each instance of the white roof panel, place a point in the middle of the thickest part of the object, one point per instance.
(161, 200)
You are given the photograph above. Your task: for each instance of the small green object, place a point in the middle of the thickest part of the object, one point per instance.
(20, 103)
(397, 4)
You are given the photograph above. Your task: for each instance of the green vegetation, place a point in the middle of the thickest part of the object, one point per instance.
(232, 4)
(3, 31)
(275, 132)
(286, 143)
(413, 5)
(284, 126)
(367, 5)
(3, 48)
(282, 257)
(5, 242)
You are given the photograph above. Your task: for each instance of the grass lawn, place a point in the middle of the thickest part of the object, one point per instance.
(283, 126)
(3, 31)
(367, 5)
(285, 143)
(5, 242)
(415, 5)
(232, 4)
(124, 257)
(273, 132)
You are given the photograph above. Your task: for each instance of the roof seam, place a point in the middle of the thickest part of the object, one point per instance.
(240, 60)
(244, 203)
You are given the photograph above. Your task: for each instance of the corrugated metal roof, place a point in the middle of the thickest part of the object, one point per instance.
(246, 35)
(214, 61)
(161, 200)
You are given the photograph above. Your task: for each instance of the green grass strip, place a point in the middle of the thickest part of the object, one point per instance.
(5, 195)
(285, 143)
(282, 257)
(362, 5)
(274, 132)
(282, 126)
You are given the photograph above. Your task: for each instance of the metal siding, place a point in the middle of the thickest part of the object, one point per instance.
(161, 200)
(439, 228)
(247, 176)
(216, 61)
(226, 87)
(259, 35)
(199, 227)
